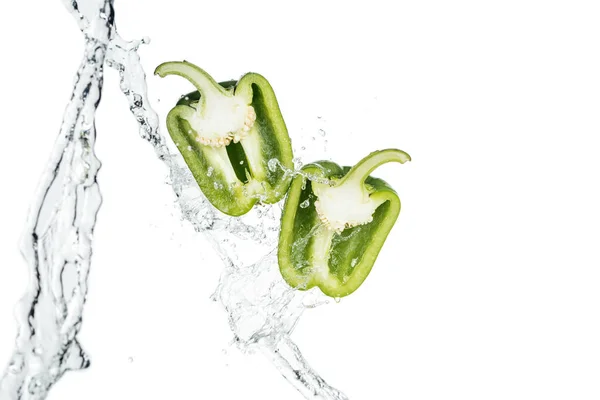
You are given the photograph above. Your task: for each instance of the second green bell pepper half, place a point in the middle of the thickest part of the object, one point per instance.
(335, 223)
(227, 134)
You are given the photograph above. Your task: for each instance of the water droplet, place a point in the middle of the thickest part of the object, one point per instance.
(137, 101)
(321, 132)
(303, 148)
(216, 185)
(36, 385)
(297, 163)
(272, 164)
(130, 359)
(210, 171)
(189, 148)
(16, 364)
(337, 299)
(241, 162)
(305, 203)
(146, 40)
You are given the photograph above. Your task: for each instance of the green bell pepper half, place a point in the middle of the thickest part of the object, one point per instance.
(334, 223)
(227, 133)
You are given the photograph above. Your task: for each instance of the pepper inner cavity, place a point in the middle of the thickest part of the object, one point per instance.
(239, 162)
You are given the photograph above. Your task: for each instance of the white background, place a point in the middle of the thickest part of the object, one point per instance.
(488, 286)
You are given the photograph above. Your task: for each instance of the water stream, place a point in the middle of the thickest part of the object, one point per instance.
(57, 241)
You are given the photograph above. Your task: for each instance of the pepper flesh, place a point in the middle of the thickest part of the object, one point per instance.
(227, 134)
(335, 223)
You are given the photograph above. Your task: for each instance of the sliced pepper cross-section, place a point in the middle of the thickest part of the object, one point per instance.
(335, 223)
(227, 134)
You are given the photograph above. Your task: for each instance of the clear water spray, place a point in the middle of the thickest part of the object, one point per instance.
(262, 309)
(57, 242)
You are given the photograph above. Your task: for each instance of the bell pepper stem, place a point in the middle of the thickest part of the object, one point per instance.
(361, 171)
(206, 85)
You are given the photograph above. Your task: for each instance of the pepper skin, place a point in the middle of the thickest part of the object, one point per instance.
(335, 223)
(227, 134)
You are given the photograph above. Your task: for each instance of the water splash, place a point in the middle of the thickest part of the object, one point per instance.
(262, 309)
(56, 243)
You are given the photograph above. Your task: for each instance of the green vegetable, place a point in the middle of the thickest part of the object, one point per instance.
(227, 133)
(335, 223)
